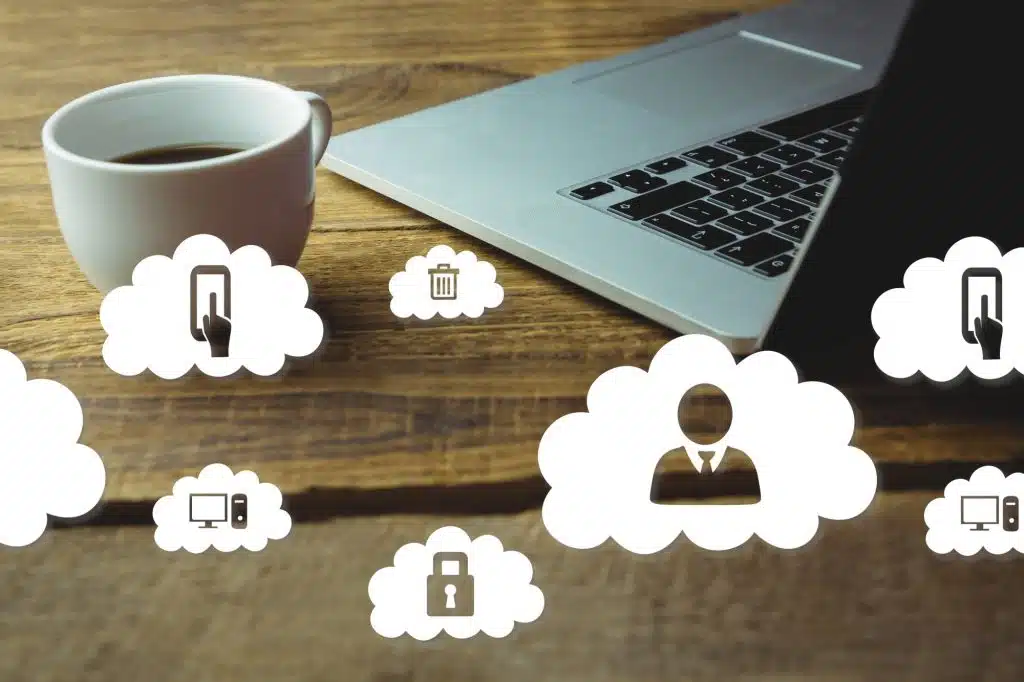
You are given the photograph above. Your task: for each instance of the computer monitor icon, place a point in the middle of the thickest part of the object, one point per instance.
(979, 511)
(208, 508)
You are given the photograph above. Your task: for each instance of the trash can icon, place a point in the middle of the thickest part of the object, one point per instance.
(444, 281)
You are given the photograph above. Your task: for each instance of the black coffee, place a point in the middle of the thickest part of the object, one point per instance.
(177, 154)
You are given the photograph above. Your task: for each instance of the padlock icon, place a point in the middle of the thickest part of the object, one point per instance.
(450, 595)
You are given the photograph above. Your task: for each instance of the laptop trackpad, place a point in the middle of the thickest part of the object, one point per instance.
(713, 79)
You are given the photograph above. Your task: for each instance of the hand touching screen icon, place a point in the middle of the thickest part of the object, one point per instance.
(210, 291)
(982, 310)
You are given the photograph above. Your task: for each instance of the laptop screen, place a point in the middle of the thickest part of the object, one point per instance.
(932, 164)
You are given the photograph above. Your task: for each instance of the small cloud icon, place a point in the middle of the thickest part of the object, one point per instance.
(454, 584)
(220, 509)
(963, 312)
(209, 308)
(44, 470)
(982, 513)
(445, 283)
(601, 464)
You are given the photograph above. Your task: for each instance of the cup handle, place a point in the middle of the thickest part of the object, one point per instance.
(322, 124)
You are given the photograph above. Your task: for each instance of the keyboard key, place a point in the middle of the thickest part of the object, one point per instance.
(796, 229)
(811, 195)
(637, 181)
(628, 177)
(592, 191)
(720, 179)
(823, 143)
(833, 160)
(772, 185)
(748, 144)
(775, 266)
(658, 201)
(700, 212)
(707, 238)
(850, 128)
(788, 154)
(710, 157)
(811, 121)
(754, 167)
(746, 223)
(808, 173)
(783, 209)
(755, 249)
(666, 165)
(647, 185)
(737, 198)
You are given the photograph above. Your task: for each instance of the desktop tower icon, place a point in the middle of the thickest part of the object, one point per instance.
(239, 511)
(1011, 513)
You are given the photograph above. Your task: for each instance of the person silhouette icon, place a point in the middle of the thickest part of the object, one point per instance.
(705, 442)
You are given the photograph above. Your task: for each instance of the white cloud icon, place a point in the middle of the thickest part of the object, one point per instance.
(988, 502)
(220, 509)
(501, 590)
(600, 464)
(445, 283)
(149, 324)
(44, 470)
(920, 326)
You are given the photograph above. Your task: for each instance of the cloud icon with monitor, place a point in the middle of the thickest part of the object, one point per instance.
(222, 510)
(793, 436)
(445, 283)
(210, 308)
(454, 584)
(44, 470)
(965, 312)
(982, 513)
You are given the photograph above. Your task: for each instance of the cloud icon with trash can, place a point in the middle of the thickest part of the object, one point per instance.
(446, 284)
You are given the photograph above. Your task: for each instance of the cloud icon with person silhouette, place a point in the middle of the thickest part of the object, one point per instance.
(211, 308)
(793, 437)
(961, 313)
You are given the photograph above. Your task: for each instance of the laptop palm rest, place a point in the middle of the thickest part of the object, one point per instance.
(709, 80)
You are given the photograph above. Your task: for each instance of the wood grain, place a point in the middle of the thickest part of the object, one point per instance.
(865, 601)
(387, 403)
(397, 428)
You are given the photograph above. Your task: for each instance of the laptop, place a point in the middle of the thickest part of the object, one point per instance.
(689, 181)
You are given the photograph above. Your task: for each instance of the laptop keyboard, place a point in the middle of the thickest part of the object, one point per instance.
(747, 199)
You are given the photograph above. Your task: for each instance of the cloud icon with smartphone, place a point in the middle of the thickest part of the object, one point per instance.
(210, 308)
(445, 283)
(965, 312)
(44, 470)
(791, 437)
(222, 510)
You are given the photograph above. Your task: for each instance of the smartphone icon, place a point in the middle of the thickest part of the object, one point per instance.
(981, 289)
(1011, 513)
(209, 285)
(239, 511)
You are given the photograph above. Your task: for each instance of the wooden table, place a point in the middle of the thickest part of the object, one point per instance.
(402, 427)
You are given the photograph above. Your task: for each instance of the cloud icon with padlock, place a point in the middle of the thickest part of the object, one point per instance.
(456, 585)
(793, 436)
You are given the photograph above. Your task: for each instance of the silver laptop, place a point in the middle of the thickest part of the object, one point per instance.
(679, 180)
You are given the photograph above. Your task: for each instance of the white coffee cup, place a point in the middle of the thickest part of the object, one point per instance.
(113, 215)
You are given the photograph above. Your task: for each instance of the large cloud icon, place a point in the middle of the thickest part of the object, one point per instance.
(445, 283)
(920, 326)
(150, 323)
(44, 470)
(600, 464)
(220, 509)
(989, 502)
(501, 591)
